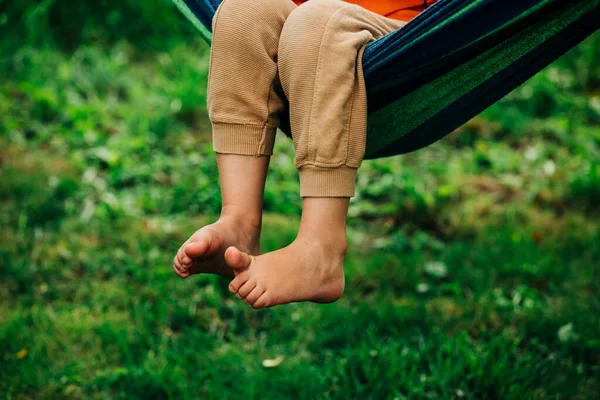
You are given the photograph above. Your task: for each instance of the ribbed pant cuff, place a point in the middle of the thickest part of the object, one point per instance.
(254, 140)
(327, 182)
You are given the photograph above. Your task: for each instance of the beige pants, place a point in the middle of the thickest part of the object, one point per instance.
(269, 57)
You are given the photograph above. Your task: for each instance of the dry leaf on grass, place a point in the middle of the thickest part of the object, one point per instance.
(272, 363)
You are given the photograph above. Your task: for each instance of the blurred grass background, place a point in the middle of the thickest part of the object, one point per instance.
(474, 269)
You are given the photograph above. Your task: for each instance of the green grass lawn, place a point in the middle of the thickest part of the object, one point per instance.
(474, 268)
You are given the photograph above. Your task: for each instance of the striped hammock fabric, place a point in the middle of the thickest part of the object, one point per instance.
(451, 62)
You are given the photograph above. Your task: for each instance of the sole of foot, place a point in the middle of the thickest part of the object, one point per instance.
(203, 252)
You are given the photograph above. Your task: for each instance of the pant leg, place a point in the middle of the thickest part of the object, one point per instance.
(320, 69)
(244, 94)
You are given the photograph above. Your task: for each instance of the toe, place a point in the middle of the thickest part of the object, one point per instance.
(196, 249)
(262, 302)
(183, 259)
(254, 295)
(238, 281)
(181, 273)
(236, 258)
(246, 288)
(177, 264)
(205, 242)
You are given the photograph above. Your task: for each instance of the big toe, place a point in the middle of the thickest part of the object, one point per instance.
(206, 244)
(196, 249)
(236, 258)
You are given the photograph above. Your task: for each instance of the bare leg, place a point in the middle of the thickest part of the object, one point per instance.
(309, 269)
(244, 101)
(242, 180)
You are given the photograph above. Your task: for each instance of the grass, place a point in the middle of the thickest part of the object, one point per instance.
(99, 314)
(473, 269)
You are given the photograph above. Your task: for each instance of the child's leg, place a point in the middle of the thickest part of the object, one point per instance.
(244, 102)
(239, 223)
(320, 70)
(323, 80)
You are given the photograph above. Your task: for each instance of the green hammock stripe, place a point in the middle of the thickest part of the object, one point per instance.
(204, 32)
(405, 114)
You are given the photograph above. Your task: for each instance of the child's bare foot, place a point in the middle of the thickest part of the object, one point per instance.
(203, 252)
(309, 269)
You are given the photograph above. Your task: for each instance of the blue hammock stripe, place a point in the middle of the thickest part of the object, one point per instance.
(450, 63)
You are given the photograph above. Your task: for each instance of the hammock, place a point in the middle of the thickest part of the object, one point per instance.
(450, 63)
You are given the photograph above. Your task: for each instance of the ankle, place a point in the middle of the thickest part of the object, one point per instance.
(240, 217)
(248, 229)
(331, 240)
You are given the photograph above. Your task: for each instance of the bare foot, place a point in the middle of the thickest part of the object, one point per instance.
(309, 269)
(203, 252)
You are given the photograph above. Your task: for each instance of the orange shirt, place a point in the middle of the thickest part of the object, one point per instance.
(403, 10)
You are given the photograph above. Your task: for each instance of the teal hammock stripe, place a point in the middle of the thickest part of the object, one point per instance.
(450, 63)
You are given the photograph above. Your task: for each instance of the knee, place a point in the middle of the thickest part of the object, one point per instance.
(305, 27)
(242, 15)
(314, 9)
(309, 19)
(315, 21)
